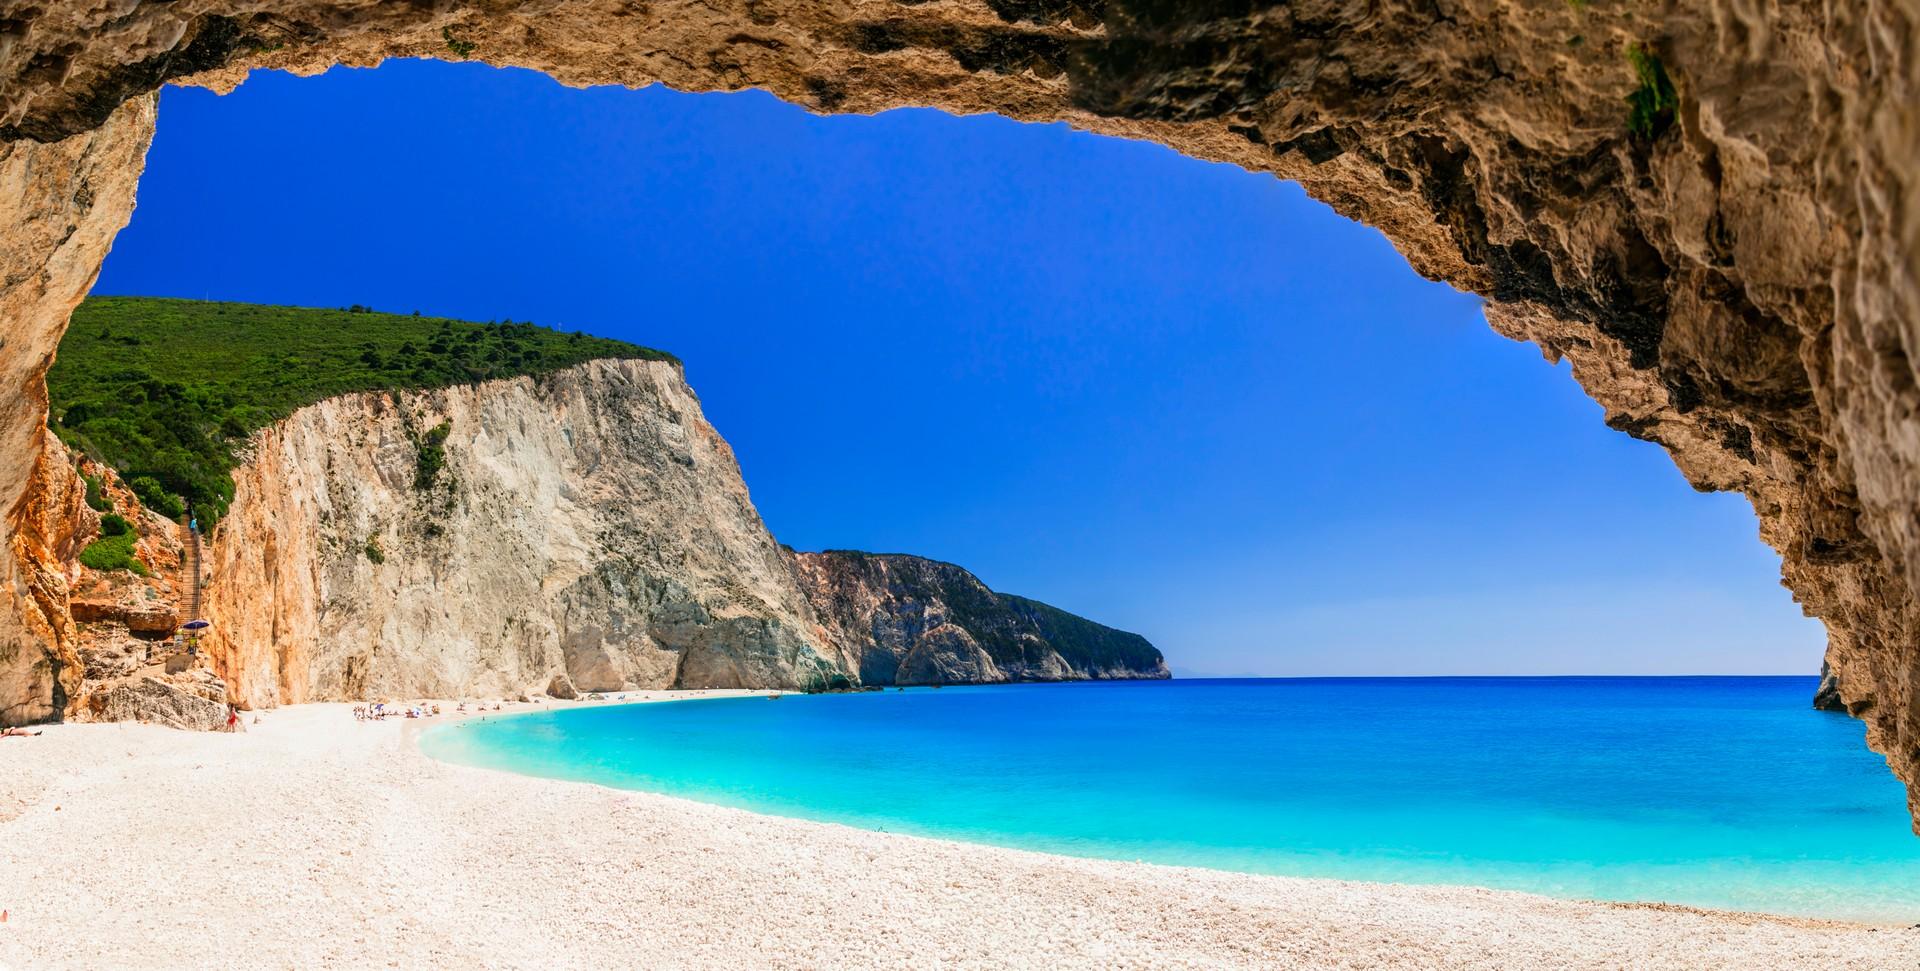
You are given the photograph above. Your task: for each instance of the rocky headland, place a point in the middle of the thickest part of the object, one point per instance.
(587, 524)
(583, 530)
(910, 620)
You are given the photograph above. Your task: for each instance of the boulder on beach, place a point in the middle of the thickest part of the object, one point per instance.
(153, 700)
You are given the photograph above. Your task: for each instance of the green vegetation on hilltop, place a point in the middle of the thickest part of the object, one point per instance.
(166, 390)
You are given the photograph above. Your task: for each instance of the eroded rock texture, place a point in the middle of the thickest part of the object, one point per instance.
(162, 702)
(586, 528)
(60, 205)
(911, 620)
(1732, 277)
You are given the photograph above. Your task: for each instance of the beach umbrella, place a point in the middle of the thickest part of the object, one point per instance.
(195, 625)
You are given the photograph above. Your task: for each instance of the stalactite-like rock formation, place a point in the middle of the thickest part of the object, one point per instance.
(1706, 206)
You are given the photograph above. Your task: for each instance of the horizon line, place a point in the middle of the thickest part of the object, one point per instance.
(1436, 677)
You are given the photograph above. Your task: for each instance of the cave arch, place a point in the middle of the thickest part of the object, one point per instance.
(1706, 209)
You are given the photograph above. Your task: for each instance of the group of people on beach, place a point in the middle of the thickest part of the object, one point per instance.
(380, 710)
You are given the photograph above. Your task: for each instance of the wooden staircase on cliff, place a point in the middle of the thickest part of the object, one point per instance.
(183, 639)
(196, 584)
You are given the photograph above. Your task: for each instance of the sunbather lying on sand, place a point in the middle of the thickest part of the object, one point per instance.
(16, 733)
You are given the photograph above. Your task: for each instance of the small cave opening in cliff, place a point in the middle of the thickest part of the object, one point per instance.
(1171, 395)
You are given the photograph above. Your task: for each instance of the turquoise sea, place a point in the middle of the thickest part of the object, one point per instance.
(1722, 792)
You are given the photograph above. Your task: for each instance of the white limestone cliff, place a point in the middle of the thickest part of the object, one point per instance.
(589, 523)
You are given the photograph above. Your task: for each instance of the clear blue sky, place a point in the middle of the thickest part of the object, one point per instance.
(1173, 396)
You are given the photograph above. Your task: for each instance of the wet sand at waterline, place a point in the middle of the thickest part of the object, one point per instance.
(316, 840)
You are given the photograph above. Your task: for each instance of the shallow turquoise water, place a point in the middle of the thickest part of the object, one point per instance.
(1724, 792)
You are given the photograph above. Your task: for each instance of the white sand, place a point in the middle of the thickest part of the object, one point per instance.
(313, 840)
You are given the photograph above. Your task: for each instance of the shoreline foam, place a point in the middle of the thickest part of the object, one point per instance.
(316, 840)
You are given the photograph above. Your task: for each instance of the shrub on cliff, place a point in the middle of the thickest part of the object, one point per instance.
(169, 389)
(431, 456)
(113, 552)
(1651, 104)
(96, 494)
(157, 497)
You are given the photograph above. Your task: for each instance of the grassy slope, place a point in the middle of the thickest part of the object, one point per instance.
(167, 389)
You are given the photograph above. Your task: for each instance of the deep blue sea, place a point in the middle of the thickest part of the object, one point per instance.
(1723, 792)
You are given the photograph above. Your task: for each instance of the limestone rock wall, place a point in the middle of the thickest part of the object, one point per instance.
(41, 664)
(1732, 276)
(113, 655)
(588, 523)
(60, 205)
(911, 620)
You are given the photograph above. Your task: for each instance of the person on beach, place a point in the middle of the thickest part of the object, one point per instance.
(233, 717)
(16, 733)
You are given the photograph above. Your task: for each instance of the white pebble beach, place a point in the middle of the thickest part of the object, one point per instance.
(312, 840)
